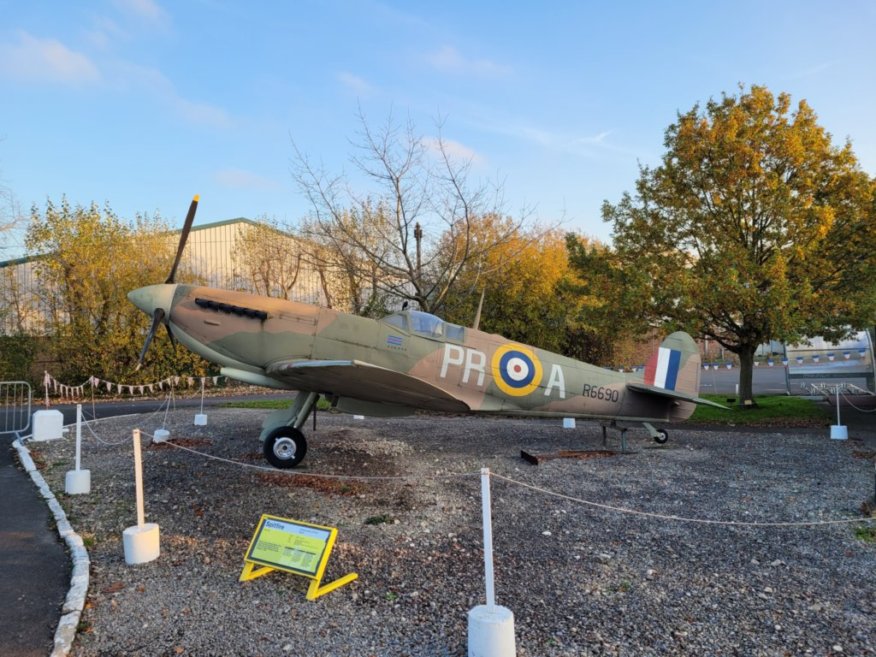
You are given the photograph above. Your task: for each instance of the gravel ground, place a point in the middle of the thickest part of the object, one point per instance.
(580, 580)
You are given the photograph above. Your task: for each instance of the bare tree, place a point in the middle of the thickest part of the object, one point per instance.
(267, 259)
(412, 232)
(11, 219)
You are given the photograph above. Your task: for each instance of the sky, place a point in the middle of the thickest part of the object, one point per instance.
(140, 104)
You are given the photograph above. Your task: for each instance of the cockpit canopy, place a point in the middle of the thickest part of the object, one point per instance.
(430, 326)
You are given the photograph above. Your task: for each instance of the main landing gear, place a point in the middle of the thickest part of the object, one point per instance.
(284, 443)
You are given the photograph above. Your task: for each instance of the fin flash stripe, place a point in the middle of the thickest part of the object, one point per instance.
(662, 370)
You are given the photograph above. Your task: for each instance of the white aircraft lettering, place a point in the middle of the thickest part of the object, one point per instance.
(557, 380)
(474, 361)
(457, 358)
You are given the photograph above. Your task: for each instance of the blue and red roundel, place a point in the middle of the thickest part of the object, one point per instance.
(516, 370)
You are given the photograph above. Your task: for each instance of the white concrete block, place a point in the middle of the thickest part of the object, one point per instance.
(491, 632)
(142, 543)
(48, 425)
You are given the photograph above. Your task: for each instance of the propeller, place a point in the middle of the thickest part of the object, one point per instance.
(160, 315)
(184, 236)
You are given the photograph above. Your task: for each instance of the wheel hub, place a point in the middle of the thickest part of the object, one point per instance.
(285, 448)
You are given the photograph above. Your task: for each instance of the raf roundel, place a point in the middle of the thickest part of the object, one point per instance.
(516, 370)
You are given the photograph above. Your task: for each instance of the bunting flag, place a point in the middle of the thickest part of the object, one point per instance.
(66, 391)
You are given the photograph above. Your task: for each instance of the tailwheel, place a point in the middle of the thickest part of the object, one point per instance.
(661, 436)
(285, 447)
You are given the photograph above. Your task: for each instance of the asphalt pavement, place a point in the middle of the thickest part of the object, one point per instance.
(33, 562)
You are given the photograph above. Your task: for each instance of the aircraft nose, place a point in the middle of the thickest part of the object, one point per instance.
(151, 297)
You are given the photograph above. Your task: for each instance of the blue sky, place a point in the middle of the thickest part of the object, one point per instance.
(141, 103)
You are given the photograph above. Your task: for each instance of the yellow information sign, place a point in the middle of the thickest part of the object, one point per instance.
(293, 547)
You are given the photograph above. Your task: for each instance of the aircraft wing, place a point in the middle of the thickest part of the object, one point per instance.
(364, 381)
(672, 394)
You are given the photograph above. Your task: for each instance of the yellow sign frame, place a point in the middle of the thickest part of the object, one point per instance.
(301, 548)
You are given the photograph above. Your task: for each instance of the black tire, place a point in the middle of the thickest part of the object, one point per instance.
(285, 447)
(661, 436)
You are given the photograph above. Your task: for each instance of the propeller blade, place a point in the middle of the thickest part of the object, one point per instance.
(170, 335)
(157, 318)
(184, 236)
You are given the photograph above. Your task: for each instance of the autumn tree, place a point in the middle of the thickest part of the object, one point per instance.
(522, 284)
(755, 226)
(416, 191)
(91, 260)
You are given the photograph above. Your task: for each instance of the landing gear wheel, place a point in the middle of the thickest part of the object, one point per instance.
(661, 436)
(285, 447)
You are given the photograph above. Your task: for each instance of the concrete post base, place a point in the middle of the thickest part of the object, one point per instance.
(141, 543)
(77, 482)
(491, 632)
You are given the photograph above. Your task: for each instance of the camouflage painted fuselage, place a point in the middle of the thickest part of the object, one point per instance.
(405, 361)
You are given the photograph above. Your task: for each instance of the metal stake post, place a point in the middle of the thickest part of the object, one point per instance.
(78, 435)
(138, 479)
(488, 536)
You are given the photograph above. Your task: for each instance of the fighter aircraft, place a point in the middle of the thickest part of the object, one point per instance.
(406, 361)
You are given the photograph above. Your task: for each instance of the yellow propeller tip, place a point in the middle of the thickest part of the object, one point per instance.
(197, 198)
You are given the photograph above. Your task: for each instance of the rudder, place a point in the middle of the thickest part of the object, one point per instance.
(675, 365)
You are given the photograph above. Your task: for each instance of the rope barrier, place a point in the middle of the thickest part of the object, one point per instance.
(850, 403)
(539, 489)
(140, 420)
(315, 475)
(660, 516)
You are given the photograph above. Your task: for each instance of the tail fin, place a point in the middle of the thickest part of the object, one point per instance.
(675, 365)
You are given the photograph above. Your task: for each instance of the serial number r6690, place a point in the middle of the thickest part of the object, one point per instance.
(600, 392)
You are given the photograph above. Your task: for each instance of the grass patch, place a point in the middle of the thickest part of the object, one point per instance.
(273, 404)
(866, 533)
(379, 520)
(780, 410)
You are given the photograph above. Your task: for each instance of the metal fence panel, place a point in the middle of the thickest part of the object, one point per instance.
(15, 404)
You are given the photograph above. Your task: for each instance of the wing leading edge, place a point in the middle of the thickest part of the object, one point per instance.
(359, 380)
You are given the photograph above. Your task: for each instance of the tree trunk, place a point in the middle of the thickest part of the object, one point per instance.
(746, 375)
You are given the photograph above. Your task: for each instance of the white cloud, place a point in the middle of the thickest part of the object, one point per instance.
(127, 75)
(449, 60)
(812, 71)
(104, 33)
(241, 179)
(594, 140)
(454, 149)
(148, 10)
(33, 59)
(354, 83)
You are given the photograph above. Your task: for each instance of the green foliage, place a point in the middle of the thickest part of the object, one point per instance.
(765, 411)
(866, 533)
(322, 404)
(754, 227)
(93, 259)
(17, 353)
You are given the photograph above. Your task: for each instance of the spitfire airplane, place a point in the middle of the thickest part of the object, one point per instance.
(406, 361)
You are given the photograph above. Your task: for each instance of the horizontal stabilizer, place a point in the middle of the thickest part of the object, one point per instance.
(672, 394)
